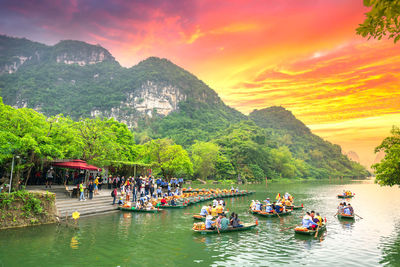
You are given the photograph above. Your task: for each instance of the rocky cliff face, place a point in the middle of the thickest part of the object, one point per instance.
(16, 52)
(150, 99)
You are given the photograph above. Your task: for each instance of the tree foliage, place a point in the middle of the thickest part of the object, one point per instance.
(382, 20)
(388, 170)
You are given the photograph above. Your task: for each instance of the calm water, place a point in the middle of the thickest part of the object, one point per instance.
(166, 239)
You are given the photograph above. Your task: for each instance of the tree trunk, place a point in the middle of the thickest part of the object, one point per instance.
(31, 159)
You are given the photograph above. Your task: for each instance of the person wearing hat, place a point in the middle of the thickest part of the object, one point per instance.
(267, 201)
(203, 211)
(210, 223)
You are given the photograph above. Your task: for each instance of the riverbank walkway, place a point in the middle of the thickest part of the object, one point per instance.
(66, 205)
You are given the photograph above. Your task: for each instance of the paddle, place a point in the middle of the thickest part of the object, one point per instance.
(276, 213)
(316, 233)
(359, 216)
(291, 227)
(336, 214)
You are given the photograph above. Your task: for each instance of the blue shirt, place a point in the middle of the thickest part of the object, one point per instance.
(209, 224)
(268, 209)
(308, 222)
(203, 212)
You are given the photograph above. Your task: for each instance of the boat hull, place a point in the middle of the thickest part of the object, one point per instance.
(310, 232)
(246, 226)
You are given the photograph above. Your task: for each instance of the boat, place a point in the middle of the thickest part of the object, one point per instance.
(345, 216)
(347, 196)
(246, 226)
(133, 209)
(304, 231)
(271, 214)
(173, 207)
(294, 207)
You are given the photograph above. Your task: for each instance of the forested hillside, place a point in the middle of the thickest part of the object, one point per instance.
(162, 103)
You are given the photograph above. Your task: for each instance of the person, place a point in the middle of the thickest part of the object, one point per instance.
(66, 178)
(209, 209)
(218, 221)
(114, 195)
(121, 198)
(307, 221)
(278, 208)
(268, 208)
(214, 212)
(49, 177)
(220, 209)
(169, 189)
(149, 206)
(351, 210)
(82, 194)
(159, 192)
(258, 205)
(203, 211)
(173, 203)
(236, 222)
(96, 185)
(210, 223)
(224, 223)
(231, 218)
(340, 208)
(163, 201)
(253, 205)
(318, 219)
(215, 202)
(267, 201)
(128, 192)
(222, 202)
(91, 189)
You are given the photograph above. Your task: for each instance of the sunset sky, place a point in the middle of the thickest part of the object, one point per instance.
(302, 55)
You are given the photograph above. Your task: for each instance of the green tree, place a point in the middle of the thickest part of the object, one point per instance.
(382, 20)
(388, 170)
(205, 156)
(167, 158)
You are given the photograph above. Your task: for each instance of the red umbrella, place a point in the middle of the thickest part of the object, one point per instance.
(76, 164)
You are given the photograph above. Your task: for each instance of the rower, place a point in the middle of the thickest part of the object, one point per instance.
(318, 219)
(350, 209)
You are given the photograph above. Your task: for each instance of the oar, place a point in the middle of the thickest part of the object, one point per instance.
(316, 233)
(291, 227)
(336, 214)
(359, 216)
(276, 213)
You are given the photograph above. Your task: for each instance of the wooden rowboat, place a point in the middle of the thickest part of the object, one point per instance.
(345, 216)
(246, 226)
(349, 196)
(139, 210)
(294, 207)
(173, 207)
(303, 231)
(270, 214)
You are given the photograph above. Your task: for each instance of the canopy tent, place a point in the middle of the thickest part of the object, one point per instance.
(76, 164)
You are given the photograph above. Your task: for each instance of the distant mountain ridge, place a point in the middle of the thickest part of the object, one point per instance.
(158, 99)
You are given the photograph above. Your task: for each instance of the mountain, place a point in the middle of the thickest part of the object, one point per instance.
(158, 99)
(353, 156)
(324, 158)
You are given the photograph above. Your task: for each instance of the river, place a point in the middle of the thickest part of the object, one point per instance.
(166, 239)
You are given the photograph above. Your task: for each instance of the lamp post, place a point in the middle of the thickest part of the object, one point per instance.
(11, 175)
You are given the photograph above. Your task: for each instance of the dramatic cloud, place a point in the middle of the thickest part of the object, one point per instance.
(303, 55)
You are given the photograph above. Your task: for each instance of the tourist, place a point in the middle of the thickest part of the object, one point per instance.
(209, 209)
(203, 211)
(308, 222)
(218, 221)
(231, 218)
(220, 209)
(121, 198)
(210, 223)
(163, 201)
(114, 194)
(82, 194)
(258, 205)
(173, 203)
(267, 201)
(224, 222)
(159, 191)
(350, 208)
(214, 212)
(91, 188)
(268, 208)
(96, 185)
(49, 177)
(236, 222)
(169, 189)
(215, 202)
(128, 191)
